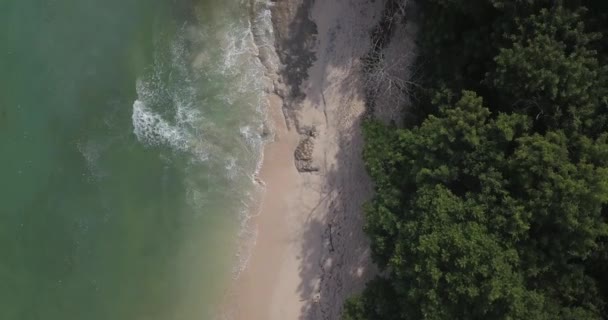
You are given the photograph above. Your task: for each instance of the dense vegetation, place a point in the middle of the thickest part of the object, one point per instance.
(494, 204)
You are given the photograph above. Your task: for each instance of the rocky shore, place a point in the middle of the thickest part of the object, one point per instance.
(311, 252)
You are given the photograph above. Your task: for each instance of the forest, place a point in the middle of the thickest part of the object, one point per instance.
(491, 201)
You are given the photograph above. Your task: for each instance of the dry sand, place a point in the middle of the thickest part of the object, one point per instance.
(311, 252)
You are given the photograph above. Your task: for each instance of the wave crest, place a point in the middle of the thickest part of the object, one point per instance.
(151, 129)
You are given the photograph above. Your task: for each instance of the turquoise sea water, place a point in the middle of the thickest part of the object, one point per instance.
(129, 133)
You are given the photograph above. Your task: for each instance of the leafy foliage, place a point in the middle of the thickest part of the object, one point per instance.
(550, 70)
(496, 211)
(474, 215)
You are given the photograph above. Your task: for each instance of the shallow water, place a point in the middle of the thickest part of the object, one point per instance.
(129, 134)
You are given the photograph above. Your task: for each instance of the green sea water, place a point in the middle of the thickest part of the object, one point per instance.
(129, 134)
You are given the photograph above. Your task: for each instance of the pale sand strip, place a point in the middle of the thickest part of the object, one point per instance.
(311, 252)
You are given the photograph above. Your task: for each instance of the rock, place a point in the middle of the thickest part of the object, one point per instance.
(313, 132)
(303, 155)
(310, 131)
(266, 131)
(305, 149)
(279, 89)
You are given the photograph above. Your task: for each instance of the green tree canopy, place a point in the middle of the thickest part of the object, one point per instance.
(551, 70)
(478, 217)
(495, 211)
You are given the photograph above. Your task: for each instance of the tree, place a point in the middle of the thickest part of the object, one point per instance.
(497, 212)
(552, 72)
(477, 217)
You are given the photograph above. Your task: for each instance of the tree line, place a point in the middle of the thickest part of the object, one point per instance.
(492, 201)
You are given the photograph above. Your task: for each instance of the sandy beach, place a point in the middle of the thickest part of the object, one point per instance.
(311, 252)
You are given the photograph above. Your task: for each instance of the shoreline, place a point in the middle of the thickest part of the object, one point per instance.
(310, 252)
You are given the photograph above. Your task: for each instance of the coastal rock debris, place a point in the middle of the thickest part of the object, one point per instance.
(304, 152)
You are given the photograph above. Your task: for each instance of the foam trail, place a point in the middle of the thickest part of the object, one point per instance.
(151, 129)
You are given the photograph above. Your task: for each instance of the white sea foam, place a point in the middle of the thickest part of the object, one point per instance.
(151, 129)
(238, 45)
(231, 168)
(247, 134)
(264, 59)
(91, 151)
(166, 112)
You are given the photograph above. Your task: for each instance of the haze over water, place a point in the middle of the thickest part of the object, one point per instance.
(129, 134)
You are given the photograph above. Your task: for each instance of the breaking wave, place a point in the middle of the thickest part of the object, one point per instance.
(204, 99)
(151, 129)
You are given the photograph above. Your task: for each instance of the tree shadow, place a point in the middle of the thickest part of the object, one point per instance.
(335, 253)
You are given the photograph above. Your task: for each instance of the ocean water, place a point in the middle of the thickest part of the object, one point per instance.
(130, 133)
